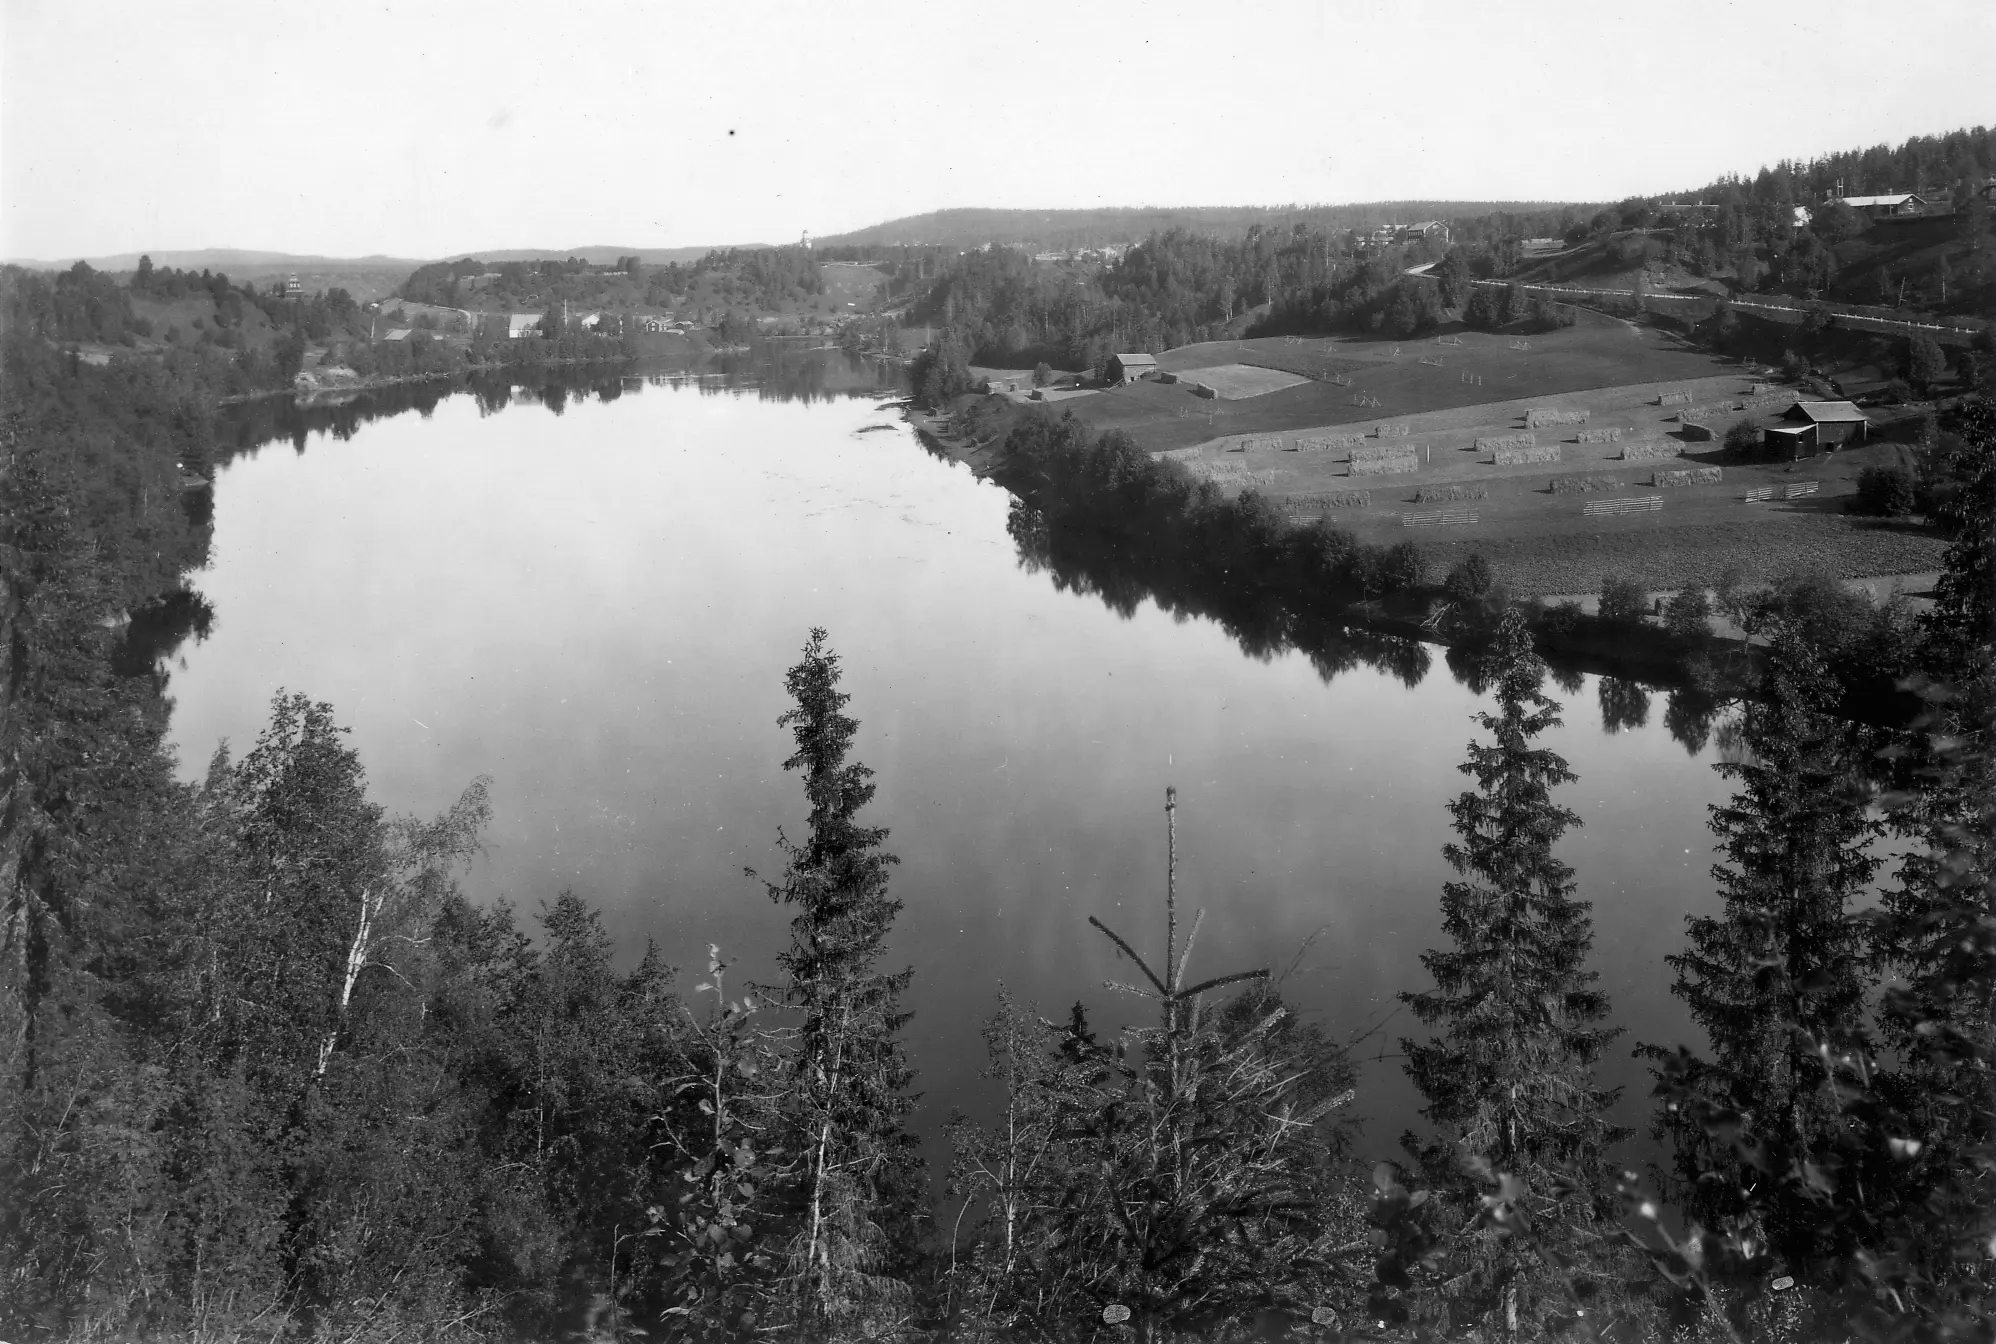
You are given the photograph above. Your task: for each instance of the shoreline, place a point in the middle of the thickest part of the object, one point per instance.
(372, 382)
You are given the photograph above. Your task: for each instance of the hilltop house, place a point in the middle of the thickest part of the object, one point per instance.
(1883, 207)
(1129, 368)
(1427, 228)
(1810, 426)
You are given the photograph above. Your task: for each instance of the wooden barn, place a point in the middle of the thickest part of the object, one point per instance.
(1891, 206)
(1129, 368)
(1814, 426)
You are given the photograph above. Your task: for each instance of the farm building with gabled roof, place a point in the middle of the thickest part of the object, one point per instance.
(1808, 426)
(1129, 368)
(1896, 203)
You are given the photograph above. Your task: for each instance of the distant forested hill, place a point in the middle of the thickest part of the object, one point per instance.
(1060, 229)
(605, 254)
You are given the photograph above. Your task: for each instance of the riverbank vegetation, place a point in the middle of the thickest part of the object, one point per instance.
(266, 1070)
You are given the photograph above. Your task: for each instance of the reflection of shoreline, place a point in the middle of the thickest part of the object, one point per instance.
(347, 389)
(771, 373)
(985, 460)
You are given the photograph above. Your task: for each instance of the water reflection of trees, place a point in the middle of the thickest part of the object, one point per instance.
(1265, 616)
(1258, 618)
(776, 372)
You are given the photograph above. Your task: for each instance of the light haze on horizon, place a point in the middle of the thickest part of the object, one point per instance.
(431, 129)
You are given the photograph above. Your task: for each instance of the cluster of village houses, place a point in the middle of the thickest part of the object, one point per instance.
(1888, 206)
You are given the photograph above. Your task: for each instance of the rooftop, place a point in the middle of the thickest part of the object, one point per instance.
(1828, 412)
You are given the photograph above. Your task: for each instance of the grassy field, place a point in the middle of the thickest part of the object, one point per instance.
(1671, 557)
(1238, 382)
(1599, 352)
(855, 285)
(1538, 539)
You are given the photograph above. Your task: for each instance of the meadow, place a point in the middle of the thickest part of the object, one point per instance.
(1618, 387)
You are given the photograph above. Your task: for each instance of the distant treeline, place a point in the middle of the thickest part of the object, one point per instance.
(1063, 230)
(756, 277)
(1204, 275)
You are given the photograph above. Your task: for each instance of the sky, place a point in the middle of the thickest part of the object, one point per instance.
(425, 129)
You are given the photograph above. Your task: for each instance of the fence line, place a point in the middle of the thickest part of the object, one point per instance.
(1437, 518)
(1634, 504)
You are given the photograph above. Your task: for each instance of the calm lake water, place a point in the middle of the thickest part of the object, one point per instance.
(595, 605)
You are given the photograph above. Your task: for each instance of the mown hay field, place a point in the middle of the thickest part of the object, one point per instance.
(1598, 352)
(1662, 556)
(1237, 382)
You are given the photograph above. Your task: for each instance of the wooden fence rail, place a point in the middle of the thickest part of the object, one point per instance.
(1597, 508)
(1437, 517)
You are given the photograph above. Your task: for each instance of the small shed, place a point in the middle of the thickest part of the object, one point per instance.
(1129, 368)
(1809, 426)
(396, 334)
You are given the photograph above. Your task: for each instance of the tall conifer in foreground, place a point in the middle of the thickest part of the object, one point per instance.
(1777, 980)
(859, 1181)
(1509, 1076)
(1939, 929)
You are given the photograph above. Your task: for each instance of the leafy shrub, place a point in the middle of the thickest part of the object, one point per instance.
(1623, 601)
(1886, 491)
(1688, 614)
(1926, 362)
(1743, 437)
(1469, 580)
(1562, 617)
(1400, 568)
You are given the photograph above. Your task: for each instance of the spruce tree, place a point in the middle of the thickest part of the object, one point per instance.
(859, 1180)
(1509, 1075)
(1937, 935)
(1184, 1176)
(1777, 980)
